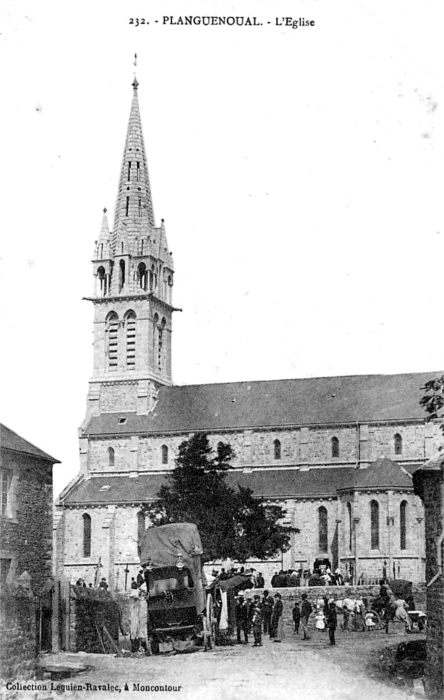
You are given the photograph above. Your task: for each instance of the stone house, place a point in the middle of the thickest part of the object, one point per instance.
(336, 452)
(25, 552)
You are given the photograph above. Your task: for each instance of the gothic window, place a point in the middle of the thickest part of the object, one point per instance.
(323, 529)
(334, 447)
(6, 505)
(403, 525)
(122, 274)
(86, 535)
(111, 456)
(130, 322)
(350, 529)
(398, 444)
(102, 281)
(374, 524)
(277, 449)
(112, 340)
(160, 341)
(142, 273)
(164, 450)
(101, 251)
(152, 278)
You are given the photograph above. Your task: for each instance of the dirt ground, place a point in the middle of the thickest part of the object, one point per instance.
(356, 668)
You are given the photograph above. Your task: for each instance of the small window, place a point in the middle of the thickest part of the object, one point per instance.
(398, 444)
(106, 487)
(334, 447)
(138, 171)
(122, 421)
(6, 479)
(403, 525)
(129, 171)
(5, 565)
(127, 206)
(86, 535)
(111, 456)
(164, 449)
(277, 449)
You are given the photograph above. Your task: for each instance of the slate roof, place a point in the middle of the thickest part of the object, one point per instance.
(240, 405)
(285, 483)
(11, 441)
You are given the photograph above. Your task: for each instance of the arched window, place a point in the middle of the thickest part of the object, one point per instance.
(143, 275)
(374, 524)
(350, 529)
(130, 322)
(122, 274)
(86, 535)
(334, 447)
(101, 291)
(323, 529)
(398, 444)
(140, 530)
(164, 450)
(277, 449)
(403, 525)
(111, 457)
(112, 332)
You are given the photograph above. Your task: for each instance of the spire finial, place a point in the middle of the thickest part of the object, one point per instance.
(135, 82)
(105, 210)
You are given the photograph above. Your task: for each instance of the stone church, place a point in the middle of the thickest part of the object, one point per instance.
(337, 452)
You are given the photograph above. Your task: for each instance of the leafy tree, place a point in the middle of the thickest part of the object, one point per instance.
(433, 399)
(231, 521)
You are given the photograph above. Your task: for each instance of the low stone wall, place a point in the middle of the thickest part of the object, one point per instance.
(18, 636)
(90, 610)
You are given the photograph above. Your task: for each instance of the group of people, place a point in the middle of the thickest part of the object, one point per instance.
(82, 584)
(265, 616)
(306, 577)
(261, 616)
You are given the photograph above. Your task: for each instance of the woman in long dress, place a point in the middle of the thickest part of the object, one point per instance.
(277, 621)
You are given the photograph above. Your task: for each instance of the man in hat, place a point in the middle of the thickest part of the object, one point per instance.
(242, 618)
(306, 611)
(332, 621)
(256, 614)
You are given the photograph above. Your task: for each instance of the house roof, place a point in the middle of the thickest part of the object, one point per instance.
(11, 441)
(243, 405)
(271, 483)
(432, 466)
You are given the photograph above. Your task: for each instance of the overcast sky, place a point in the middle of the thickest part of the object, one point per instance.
(299, 173)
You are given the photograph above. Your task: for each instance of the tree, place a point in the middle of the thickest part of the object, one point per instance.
(433, 399)
(231, 521)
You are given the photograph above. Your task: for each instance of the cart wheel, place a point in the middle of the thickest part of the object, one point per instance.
(209, 624)
(379, 622)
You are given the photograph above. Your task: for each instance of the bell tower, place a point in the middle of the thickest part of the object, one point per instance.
(132, 297)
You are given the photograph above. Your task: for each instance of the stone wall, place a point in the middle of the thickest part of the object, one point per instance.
(18, 635)
(255, 448)
(89, 611)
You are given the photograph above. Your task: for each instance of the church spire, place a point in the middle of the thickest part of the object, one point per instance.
(134, 206)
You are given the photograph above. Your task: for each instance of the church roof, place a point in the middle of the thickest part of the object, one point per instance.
(11, 441)
(383, 474)
(274, 403)
(270, 484)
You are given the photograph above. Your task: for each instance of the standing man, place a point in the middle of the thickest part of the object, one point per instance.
(296, 617)
(242, 619)
(306, 611)
(332, 621)
(267, 607)
(256, 620)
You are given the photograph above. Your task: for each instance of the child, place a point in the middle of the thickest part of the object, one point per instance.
(320, 620)
(296, 617)
(369, 621)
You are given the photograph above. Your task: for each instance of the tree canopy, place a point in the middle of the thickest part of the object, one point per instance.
(433, 399)
(232, 522)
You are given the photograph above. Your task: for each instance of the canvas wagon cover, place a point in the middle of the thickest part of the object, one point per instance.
(162, 544)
